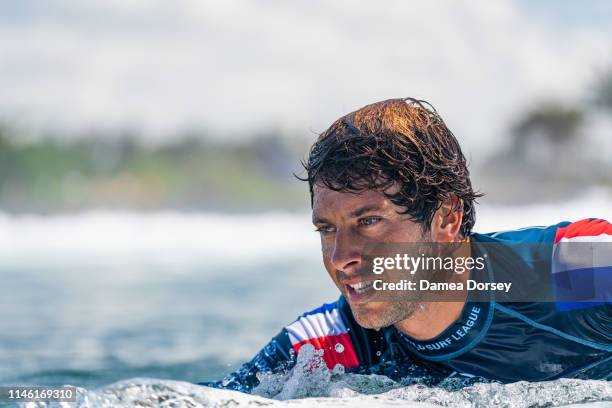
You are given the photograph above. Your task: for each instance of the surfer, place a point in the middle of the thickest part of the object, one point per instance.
(393, 172)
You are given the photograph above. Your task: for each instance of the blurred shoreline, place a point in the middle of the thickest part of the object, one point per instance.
(197, 174)
(116, 172)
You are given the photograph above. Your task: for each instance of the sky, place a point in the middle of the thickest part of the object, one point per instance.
(237, 66)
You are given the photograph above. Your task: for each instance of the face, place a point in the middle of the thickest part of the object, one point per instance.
(347, 222)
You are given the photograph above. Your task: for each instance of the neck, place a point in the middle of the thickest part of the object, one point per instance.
(432, 318)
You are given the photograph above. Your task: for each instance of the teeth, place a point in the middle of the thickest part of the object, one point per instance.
(361, 286)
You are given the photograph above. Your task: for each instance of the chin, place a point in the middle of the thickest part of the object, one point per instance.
(373, 315)
(376, 315)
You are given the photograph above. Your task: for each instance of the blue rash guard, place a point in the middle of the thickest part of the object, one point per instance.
(494, 340)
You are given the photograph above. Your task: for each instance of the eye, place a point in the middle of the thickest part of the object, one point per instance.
(370, 220)
(325, 229)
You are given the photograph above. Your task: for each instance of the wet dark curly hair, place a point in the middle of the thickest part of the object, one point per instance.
(397, 142)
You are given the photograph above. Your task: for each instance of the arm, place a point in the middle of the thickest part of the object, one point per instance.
(276, 356)
(325, 328)
(582, 279)
(582, 264)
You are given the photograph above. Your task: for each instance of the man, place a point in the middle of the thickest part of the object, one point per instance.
(392, 172)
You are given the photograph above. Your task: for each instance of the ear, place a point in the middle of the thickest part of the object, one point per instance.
(446, 222)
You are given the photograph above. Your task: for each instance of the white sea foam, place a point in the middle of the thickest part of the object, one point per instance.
(163, 235)
(142, 393)
(310, 384)
(346, 390)
(239, 238)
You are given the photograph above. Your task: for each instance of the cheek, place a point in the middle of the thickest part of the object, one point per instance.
(406, 231)
(327, 251)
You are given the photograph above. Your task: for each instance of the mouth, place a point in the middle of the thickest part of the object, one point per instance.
(359, 292)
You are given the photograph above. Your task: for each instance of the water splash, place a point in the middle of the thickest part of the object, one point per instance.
(310, 383)
(311, 378)
(347, 391)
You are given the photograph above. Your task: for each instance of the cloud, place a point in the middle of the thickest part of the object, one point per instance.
(238, 65)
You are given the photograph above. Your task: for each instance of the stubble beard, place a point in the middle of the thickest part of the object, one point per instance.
(376, 315)
(385, 313)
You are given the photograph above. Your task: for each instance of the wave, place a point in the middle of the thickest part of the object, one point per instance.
(241, 237)
(162, 236)
(310, 383)
(346, 392)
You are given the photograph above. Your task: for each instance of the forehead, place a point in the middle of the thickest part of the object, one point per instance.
(327, 201)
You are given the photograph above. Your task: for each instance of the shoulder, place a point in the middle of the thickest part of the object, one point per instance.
(582, 264)
(594, 228)
(324, 321)
(576, 255)
(587, 230)
(326, 328)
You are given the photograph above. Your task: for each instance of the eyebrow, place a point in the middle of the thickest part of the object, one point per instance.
(360, 211)
(354, 214)
(318, 220)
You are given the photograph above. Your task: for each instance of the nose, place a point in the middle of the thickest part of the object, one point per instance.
(346, 254)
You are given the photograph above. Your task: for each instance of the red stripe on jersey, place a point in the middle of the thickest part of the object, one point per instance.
(338, 349)
(584, 228)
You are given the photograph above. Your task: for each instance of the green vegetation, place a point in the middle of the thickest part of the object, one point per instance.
(554, 151)
(49, 175)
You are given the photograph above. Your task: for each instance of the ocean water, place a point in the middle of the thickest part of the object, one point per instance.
(133, 308)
